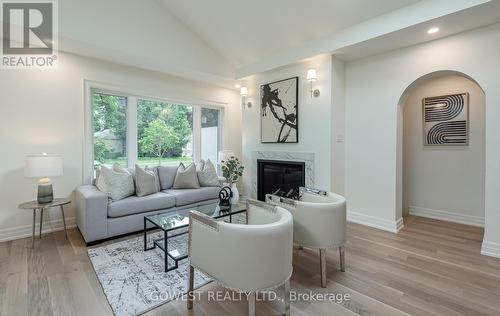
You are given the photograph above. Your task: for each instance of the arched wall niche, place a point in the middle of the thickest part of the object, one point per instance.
(419, 154)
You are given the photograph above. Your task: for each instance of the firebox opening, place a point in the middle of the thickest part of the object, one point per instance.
(283, 178)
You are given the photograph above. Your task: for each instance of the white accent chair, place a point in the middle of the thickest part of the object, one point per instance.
(245, 258)
(319, 219)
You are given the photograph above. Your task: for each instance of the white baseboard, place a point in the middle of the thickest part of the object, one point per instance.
(375, 222)
(24, 231)
(491, 249)
(447, 216)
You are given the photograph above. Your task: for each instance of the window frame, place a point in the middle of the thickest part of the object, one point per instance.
(128, 115)
(133, 96)
(220, 128)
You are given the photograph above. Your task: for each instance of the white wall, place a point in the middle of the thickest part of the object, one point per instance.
(444, 182)
(373, 88)
(314, 118)
(43, 111)
(338, 128)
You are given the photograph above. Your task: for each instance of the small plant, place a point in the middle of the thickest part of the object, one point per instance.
(232, 169)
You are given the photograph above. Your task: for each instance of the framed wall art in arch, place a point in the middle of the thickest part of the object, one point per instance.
(446, 120)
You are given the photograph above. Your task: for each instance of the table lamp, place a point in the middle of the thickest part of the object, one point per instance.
(43, 166)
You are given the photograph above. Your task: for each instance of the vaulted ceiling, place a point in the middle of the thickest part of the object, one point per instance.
(246, 32)
(220, 41)
(259, 35)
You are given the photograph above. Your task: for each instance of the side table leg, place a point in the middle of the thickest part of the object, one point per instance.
(64, 222)
(33, 234)
(41, 220)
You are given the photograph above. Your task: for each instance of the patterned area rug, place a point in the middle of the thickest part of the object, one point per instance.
(134, 280)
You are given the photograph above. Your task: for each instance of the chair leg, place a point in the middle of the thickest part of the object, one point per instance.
(190, 293)
(342, 258)
(251, 304)
(287, 297)
(41, 221)
(322, 264)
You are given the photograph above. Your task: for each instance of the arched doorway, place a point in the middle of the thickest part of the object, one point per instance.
(442, 182)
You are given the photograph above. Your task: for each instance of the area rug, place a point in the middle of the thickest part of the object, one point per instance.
(134, 280)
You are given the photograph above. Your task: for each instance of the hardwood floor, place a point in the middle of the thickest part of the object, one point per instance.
(430, 268)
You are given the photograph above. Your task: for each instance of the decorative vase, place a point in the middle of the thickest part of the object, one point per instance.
(236, 194)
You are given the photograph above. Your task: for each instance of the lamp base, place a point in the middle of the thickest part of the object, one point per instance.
(45, 193)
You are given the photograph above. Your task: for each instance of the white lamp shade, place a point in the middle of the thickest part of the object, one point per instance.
(225, 155)
(244, 91)
(43, 165)
(311, 75)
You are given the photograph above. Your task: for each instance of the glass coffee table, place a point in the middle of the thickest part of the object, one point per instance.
(171, 222)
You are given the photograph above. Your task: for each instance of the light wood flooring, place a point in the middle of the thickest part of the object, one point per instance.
(430, 268)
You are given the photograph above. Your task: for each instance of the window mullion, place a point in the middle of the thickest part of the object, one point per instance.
(196, 133)
(131, 131)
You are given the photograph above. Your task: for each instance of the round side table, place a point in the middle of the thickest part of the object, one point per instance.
(34, 205)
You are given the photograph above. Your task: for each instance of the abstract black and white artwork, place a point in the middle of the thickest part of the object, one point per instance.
(446, 120)
(279, 115)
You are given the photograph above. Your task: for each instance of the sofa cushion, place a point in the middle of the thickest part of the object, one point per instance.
(167, 176)
(134, 204)
(190, 196)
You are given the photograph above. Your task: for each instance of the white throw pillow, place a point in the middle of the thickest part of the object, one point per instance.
(207, 175)
(116, 184)
(146, 181)
(119, 168)
(186, 177)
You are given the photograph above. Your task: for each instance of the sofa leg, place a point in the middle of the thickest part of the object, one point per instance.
(287, 297)
(342, 258)
(322, 265)
(190, 293)
(251, 304)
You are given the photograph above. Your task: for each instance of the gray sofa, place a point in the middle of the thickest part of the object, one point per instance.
(100, 218)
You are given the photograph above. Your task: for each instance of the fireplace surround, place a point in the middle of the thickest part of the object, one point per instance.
(305, 157)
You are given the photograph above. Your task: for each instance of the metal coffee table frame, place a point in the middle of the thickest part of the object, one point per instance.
(158, 242)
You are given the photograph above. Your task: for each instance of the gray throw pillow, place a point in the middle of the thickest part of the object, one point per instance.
(155, 170)
(146, 181)
(207, 175)
(116, 183)
(186, 177)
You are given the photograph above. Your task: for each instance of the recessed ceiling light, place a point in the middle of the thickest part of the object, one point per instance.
(237, 86)
(433, 30)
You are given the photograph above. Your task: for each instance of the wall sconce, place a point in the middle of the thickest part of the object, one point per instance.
(244, 94)
(312, 77)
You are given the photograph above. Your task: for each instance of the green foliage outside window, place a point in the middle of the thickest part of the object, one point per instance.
(110, 113)
(158, 139)
(163, 130)
(102, 150)
(178, 118)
